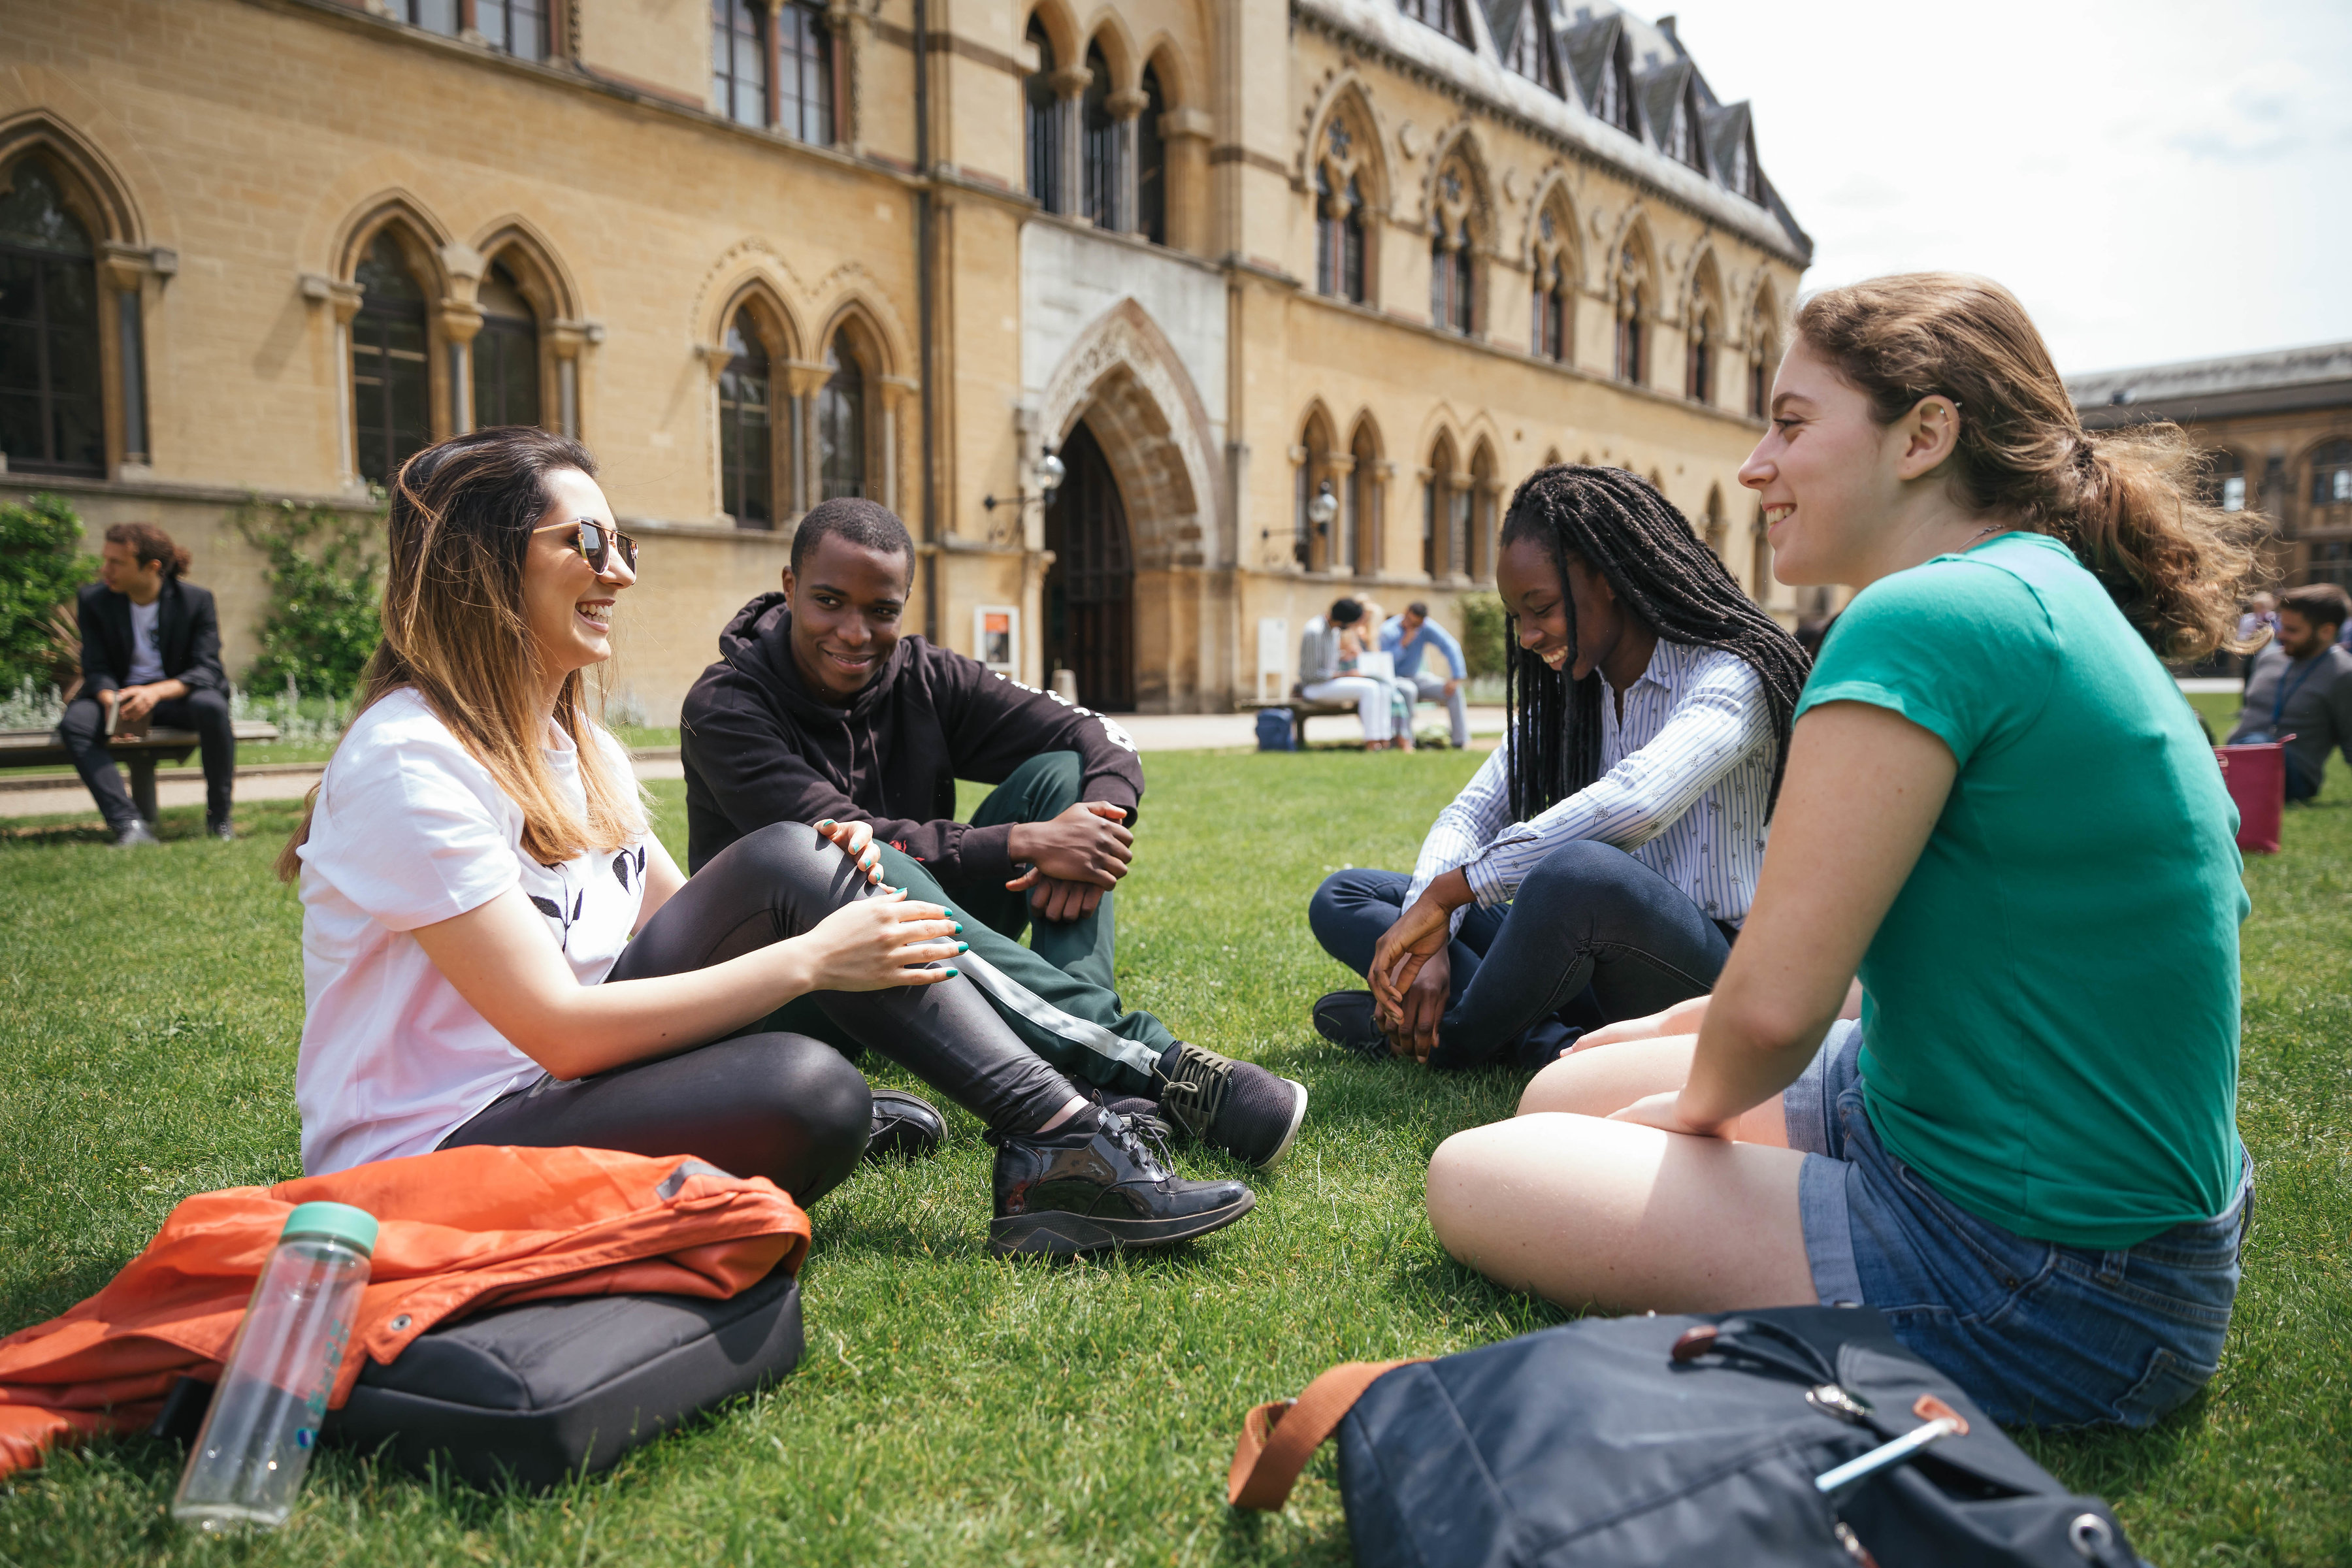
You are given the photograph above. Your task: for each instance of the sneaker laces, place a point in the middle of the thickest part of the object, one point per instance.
(1144, 1138)
(1196, 1092)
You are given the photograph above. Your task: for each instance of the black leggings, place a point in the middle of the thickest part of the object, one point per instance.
(765, 1103)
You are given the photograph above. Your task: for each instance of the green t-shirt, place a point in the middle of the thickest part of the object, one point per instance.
(2050, 1013)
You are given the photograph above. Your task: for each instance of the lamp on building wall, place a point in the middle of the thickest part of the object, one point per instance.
(1051, 471)
(1323, 508)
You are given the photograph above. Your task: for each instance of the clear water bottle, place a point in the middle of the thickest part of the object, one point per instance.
(263, 1426)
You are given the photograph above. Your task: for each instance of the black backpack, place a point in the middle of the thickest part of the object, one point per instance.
(534, 1394)
(1613, 1442)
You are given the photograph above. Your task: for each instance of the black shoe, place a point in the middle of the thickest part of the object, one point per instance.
(1096, 1183)
(133, 833)
(1238, 1107)
(906, 1127)
(1345, 1018)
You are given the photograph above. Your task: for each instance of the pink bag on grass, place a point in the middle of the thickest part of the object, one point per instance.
(2255, 776)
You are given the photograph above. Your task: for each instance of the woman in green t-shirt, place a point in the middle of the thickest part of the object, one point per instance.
(2001, 817)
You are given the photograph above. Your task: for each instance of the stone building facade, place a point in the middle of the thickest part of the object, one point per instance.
(1216, 256)
(2277, 431)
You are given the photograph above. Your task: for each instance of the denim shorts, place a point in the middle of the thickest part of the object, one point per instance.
(2034, 1332)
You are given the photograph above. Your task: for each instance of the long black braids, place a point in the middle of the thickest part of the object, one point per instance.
(1636, 539)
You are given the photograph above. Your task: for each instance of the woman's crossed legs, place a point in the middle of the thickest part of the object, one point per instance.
(1590, 1212)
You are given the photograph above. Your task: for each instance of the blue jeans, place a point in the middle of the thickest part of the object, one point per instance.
(1593, 936)
(2034, 1331)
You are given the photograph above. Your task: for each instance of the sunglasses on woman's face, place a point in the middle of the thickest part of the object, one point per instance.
(595, 542)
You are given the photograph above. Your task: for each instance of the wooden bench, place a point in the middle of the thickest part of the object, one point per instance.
(42, 749)
(1302, 711)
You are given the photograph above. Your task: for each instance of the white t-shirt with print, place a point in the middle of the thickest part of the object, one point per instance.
(146, 655)
(411, 830)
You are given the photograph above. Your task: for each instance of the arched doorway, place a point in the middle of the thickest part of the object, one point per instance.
(1089, 592)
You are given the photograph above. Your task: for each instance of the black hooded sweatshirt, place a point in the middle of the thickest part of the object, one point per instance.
(759, 748)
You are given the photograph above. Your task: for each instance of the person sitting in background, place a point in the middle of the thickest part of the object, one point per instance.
(149, 655)
(496, 948)
(1999, 814)
(1609, 845)
(1331, 668)
(1406, 638)
(819, 710)
(2301, 687)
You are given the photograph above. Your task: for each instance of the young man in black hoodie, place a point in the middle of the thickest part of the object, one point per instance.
(819, 710)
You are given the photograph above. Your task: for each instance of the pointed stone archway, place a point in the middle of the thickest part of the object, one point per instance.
(1123, 379)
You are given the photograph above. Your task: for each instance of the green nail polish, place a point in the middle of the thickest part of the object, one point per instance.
(825, 824)
(963, 947)
(959, 929)
(953, 972)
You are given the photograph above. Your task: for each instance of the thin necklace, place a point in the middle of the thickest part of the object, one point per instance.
(1985, 533)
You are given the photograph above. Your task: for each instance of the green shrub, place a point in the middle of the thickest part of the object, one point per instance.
(1483, 630)
(322, 572)
(41, 565)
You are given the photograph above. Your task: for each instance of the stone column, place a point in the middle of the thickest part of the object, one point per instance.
(123, 274)
(1127, 207)
(1186, 132)
(715, 358)
(1070, 85)
(896, 390)
(849, 26)
(774, 51)
(459, 323)
(565, 339)
(1339, 468)
(805, 380)
(1383, 471)
(343, 299)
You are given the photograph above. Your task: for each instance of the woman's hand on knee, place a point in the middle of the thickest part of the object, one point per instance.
(874, 944)
(856, 839)
(1664, 1111)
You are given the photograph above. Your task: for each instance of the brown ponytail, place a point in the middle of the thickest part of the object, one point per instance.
(2127, 502)
(151, 543)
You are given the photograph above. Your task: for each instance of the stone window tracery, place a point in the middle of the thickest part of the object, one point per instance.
(747, 435)
(1632, 313)
(1552, 287)
(1452, 255)
(841, 423)
(1339, 237)
(391, 400)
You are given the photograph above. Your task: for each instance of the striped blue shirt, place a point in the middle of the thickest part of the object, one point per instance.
(1685, 783)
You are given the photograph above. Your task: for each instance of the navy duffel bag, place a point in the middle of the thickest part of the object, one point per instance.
(1731, 1438)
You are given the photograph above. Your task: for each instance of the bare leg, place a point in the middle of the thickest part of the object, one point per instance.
(1605, 1213)
(1598, 1081)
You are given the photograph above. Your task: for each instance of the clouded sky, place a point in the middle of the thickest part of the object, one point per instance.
(2157, 182)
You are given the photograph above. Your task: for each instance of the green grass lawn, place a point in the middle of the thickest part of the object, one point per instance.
(957, 1408)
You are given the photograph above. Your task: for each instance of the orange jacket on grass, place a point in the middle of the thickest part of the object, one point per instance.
(462, 1229)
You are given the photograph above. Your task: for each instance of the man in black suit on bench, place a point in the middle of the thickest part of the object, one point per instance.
(150, 650)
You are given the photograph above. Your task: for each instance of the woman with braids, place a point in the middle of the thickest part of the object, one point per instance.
(2001, 814)
(1599, 863)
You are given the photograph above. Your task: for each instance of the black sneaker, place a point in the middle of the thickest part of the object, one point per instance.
(1238, 1107)
(1345, 1018)
(223, 829)
(134, 833)
(906, 1127)
(1096, 1183)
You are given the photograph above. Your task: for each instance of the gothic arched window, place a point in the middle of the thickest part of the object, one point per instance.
(391, 377)
(52, 395)
(518, 27)
(1042, 118)
(1097, 146)
(747, 435)
(1151, 163)
(841, 424)
(804, 71)
(506, 353)
(738, 60)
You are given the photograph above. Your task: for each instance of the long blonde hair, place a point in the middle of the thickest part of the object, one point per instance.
(462, 515)
(2130, 503)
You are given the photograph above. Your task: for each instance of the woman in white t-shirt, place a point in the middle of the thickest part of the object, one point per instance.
(496, 949)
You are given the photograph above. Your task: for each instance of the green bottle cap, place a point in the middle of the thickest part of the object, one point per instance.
(340, 1221)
